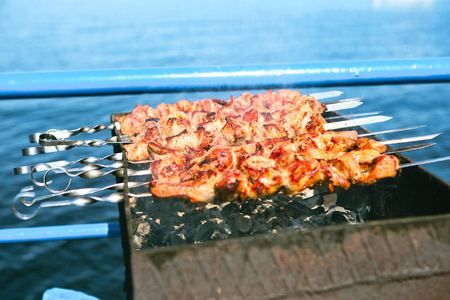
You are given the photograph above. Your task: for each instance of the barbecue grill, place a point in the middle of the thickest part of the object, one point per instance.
(389, 239)
(177, 250)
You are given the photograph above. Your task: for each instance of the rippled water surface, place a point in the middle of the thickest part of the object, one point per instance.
(76, 35)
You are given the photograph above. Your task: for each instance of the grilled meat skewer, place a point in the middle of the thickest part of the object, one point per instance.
(320, 146)
(118, 156)
(63, 134)
(204, 123)
(83, 197)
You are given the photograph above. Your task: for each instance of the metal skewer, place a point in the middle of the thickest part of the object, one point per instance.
(390, 131)
(353, 115)
(424, 162)
(62, 134)
(343, 105)
(355, 122)
(90, 174)
(56, 139)
(78, 197)
(71, 173)
(409, 148)
(116, 157)
(411, 139)
(27, 192)
(344, 100)
(73, 193)
(48, 139)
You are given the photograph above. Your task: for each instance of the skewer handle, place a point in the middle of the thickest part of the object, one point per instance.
(48, 139)
(63, 134)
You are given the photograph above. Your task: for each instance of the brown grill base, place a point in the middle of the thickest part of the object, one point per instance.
(383, 260)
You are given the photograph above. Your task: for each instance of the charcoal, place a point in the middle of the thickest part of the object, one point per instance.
(213, 211)
(178, 239)
(260, 228)
(159, 232)
(166, 240)
(341, 215)
(278, 223)
(190, 237)
(160, 223)
(205, 231)
(248, 207)
(259, 219)
(179, 206)
(329, 201)
(195, 217)
(269, 211)
(229, 207)
(142, 205)
(243, 223)
(143, 229)
(317, 211)
(224, 229)
(219, 236)
(313, 201)
(295, 209)
(136, 221)
(233, 217)
(175, 221)
(338, 217)
(189, 226)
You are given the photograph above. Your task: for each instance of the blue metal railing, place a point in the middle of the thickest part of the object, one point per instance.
(164, 80)
(66, 232)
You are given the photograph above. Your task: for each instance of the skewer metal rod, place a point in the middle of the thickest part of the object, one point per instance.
(64, 232)
(166, 80)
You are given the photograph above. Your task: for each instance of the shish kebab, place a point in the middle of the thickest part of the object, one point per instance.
(274, 147)
(249, 147)
(55, 140)
(84, 197)
(62, 134)
(188, 127)
(249, 119)
(177, 172)
(95, 163)
(284, 103)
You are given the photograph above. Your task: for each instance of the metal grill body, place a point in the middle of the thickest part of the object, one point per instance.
(403, 251)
